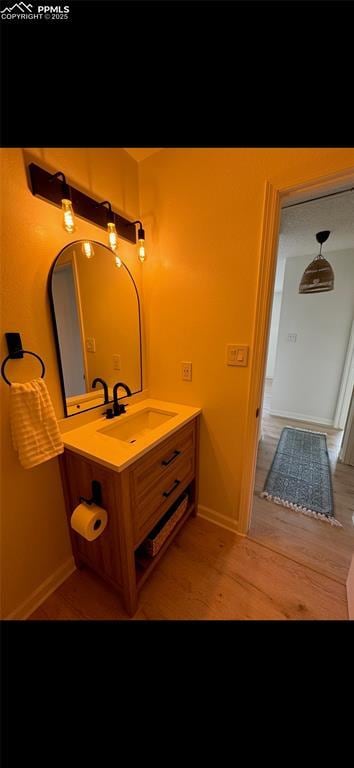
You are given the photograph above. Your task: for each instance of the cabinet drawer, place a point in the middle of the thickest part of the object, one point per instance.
(149, 510)
(160, 477)
(159, 461)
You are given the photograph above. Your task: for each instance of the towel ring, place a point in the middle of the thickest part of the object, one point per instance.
(10, 357)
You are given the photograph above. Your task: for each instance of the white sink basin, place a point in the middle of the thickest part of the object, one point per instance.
(132, 434)
(132, 428)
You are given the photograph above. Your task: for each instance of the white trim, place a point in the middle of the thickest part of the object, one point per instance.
(81, 321)
(346, 455)
(267, 263)
(221, 520)
(346, 386)
(43, 591)
(304, 189)
(302, 417)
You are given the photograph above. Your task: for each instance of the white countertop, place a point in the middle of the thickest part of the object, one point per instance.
(117, 454)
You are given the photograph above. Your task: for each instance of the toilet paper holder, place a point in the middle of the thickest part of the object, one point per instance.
(96, 494)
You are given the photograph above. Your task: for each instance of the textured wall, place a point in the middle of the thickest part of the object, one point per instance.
(35, 541)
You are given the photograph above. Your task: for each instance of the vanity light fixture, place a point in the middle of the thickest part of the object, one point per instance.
(141, 242)
(54, 188)
(87, 249)
(66, 204)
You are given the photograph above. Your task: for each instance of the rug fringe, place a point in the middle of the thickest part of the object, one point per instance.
(309, 512)
(311, 431)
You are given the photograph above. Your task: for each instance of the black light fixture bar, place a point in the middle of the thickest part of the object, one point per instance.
(49, 186)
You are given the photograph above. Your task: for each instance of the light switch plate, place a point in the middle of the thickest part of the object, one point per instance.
(91, 344)
(116, 362)
(237, 354)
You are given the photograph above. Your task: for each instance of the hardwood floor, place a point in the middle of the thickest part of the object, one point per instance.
(290, 566)
(312, 542)
(208, 573)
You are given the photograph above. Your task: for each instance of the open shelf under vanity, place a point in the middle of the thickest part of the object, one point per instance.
(140, 501)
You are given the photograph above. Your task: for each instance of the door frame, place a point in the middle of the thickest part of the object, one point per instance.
(346, 454)
(274, 198)
(81, 320)
(71, 262)
(346, 386)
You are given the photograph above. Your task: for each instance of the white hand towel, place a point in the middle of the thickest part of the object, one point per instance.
(35, 432)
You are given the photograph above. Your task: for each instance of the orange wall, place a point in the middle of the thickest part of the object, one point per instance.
(35, 541)
(202, 209)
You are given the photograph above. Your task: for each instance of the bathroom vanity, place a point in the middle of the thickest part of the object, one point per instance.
(146, 462)
(140, 466)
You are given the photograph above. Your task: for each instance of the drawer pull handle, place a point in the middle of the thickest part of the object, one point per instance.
(168, 493)
(165, 462)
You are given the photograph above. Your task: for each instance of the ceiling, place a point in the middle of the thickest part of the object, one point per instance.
(299, 224)
(141, 152)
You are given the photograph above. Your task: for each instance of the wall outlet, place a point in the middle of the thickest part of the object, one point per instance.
(91, 344)
(116, 363)
(186, 371)
(292, 337)
(236, 354)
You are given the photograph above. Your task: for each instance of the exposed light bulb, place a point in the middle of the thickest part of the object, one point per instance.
(141, 245)
(87, 249)
(118, 261)
(141, 250)
(112, 236)
(68, 215)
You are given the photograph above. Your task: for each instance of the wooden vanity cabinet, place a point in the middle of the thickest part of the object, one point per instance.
(135, 500)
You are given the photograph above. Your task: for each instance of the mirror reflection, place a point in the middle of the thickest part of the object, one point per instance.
(96, 314)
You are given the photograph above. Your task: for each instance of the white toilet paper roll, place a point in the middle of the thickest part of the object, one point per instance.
(89, 520)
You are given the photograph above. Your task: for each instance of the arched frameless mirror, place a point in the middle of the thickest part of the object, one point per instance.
(96, 313)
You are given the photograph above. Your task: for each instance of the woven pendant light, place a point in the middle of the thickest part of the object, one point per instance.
(319, 275)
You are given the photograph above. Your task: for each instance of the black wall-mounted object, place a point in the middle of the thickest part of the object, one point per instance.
(49, 186)
(96, 497)
(16, 352)
(14, 345)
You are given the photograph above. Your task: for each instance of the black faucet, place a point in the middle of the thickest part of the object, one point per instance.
(117, 407)
(105, 388)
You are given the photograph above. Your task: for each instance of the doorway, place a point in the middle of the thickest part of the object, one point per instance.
(288, 397)
(67, 318)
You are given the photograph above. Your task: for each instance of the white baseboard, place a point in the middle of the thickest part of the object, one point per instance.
(302, 417)
(43, 591)
(221, 520)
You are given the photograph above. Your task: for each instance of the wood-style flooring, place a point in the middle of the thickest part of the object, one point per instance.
(311, 542)
(208, 573)
(290, 566)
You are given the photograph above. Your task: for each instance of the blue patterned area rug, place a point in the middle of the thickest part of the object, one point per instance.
(300, 475)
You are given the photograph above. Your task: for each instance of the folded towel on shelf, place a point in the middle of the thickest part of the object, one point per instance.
(35, 432)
